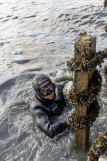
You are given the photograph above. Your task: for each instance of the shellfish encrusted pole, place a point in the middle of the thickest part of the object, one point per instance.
(85, 47)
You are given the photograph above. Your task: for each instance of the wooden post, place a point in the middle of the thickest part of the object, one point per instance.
(85, 46)
(105, 3)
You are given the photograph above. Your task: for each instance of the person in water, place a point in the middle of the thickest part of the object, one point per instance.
(48, 101)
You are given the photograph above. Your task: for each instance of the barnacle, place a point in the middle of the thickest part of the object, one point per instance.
(86, 59)
(86, 96)
(83, 121)
(98, 148)
(85, 62)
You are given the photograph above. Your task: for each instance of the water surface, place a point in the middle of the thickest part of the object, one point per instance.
(39, 37)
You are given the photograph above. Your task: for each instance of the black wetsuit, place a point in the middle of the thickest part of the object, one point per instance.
(42, 109)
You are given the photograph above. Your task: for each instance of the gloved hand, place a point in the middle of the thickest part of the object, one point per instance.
(68, 87)
(63, 83)
(73, 109)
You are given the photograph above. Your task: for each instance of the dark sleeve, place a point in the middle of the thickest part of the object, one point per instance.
(44, 124)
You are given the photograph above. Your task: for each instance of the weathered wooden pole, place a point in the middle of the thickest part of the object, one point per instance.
(85, 46)
(105, 3)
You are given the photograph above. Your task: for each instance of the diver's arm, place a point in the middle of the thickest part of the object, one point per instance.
(59, 90)
(63, 83)
(44, 124)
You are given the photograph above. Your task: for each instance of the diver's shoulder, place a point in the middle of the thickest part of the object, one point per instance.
(34, 104)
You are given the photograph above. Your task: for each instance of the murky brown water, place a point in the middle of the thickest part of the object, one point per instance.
(38, 37)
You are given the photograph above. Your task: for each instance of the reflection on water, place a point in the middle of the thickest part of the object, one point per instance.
(38, 37)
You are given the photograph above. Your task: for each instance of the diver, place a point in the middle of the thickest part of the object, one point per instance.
(48, 101)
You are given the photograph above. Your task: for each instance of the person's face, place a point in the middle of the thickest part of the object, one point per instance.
(47, 91)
